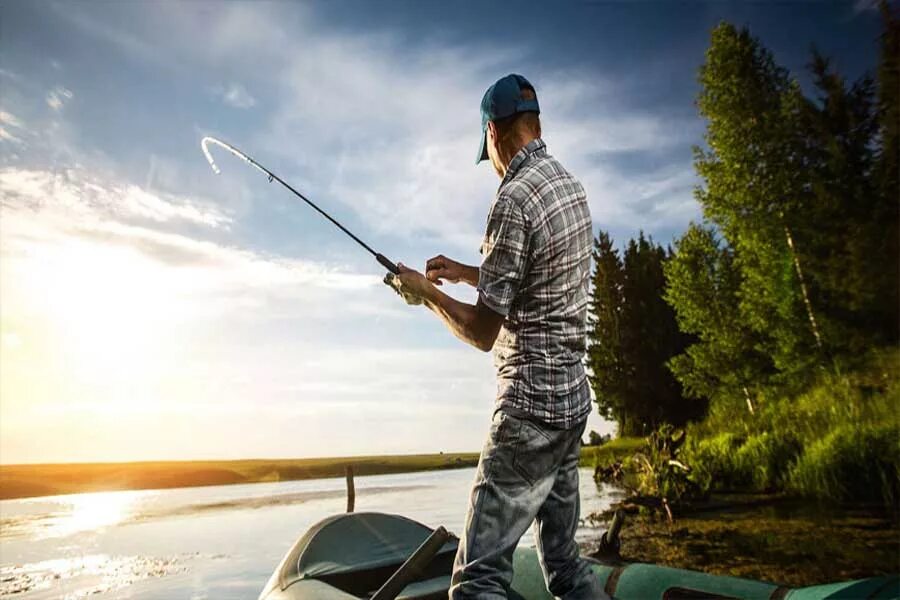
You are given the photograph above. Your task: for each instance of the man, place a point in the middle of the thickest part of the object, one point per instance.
(531, 309)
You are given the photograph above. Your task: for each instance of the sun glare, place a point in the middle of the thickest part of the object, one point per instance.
(89, 512)
(105, 312)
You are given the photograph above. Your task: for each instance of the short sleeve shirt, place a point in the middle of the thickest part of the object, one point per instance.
(535, 271)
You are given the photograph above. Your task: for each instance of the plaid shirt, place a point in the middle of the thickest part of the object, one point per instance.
(535, 271)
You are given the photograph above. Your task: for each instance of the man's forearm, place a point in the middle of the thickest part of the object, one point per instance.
(460, 318)
(470, 275)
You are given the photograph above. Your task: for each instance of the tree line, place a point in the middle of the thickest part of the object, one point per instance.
(795, 267)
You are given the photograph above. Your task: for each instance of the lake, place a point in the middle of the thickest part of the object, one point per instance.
(217, 542)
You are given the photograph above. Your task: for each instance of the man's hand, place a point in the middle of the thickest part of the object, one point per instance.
(476, 324)
(440, 267)
(410, 284)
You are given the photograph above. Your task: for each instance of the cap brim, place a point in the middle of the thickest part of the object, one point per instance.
(482, 148)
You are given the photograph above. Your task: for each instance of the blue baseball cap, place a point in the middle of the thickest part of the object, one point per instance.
(501, 100)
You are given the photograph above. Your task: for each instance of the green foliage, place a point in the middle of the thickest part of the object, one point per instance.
(712, 461)
(852, 463)
(633, 334)
(658, 470)
(839, 440)
(725, 363)
(766, 459)
(752, 189)
(605, 349)
(780, 295)
(804, 193)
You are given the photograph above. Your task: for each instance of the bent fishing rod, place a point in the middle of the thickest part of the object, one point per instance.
(204, 143)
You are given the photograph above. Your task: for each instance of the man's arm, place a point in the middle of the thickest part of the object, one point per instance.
(476, 324)
(440, 267)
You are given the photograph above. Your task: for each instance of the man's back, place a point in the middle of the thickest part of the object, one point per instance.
(536, 270)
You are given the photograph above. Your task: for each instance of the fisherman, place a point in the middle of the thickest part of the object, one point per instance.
(531, 309)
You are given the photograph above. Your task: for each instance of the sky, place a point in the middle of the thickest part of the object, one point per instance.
(150, 309)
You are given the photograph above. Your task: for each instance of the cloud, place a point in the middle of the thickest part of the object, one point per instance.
(71, 214)
(79, 193)
(384, 153)
(234, 95)
(9, 120)
(385, 128)
(57, 97)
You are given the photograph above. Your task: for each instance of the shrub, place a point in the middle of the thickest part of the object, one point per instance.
(712, 461)
(764, 460)
(839, 440)
(851, 463)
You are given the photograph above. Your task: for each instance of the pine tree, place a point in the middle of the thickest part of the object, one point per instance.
(633, 335)
(604, 350)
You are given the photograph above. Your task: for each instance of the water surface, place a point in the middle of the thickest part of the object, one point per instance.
(217, 542)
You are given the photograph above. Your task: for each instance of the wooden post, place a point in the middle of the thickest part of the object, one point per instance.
(351, 491)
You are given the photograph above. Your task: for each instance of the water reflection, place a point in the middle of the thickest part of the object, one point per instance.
(94, 511)
(83, 576)
(61, 516)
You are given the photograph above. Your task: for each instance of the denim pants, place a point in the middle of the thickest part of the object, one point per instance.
(528, 472)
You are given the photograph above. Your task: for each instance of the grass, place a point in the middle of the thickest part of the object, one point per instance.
(837, 441)
(22, 481)
(610, 452)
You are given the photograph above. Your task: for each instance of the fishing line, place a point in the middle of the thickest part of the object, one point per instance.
(273, 177)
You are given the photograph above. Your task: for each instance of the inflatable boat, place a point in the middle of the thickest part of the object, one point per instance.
(380, 557)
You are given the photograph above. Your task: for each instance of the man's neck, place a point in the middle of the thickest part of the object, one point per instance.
(508, 153)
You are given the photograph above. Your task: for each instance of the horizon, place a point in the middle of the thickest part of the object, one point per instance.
(154, 311)
(229, 460)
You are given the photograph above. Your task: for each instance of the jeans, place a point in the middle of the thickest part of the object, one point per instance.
(528, 472)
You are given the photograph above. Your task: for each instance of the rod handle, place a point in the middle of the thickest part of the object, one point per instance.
(387, 264)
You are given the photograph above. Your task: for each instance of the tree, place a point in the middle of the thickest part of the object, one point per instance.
(887, 169)
(752, 190)
(633, 335)
(724, 364)
(798, 264)
(604, 350)
(595, 439)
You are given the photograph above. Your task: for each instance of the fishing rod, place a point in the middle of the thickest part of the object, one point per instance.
(382, 260)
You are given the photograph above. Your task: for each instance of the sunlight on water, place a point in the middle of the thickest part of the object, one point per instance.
(219, 542)
(89, 512)
(83, 576)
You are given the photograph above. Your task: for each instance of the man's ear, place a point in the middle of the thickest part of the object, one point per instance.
(492, 128)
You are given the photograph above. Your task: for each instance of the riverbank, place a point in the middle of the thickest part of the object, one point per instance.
(25, 481)
(769, 538)
(28, 481)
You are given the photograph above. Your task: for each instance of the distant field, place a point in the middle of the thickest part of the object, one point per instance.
(23, 481)
(611, 451)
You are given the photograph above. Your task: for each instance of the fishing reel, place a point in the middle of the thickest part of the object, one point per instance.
(393, 281)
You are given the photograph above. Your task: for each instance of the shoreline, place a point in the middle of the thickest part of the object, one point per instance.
(772, 538)
(42, 480)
